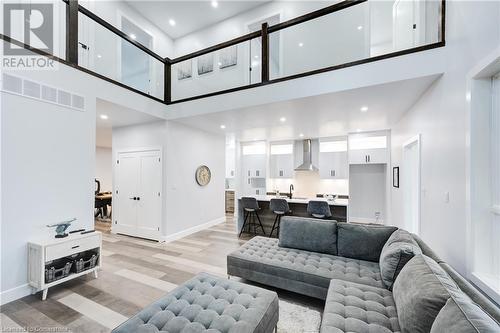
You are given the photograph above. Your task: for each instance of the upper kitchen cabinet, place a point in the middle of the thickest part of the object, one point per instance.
(253, 167)
(333, 162)
(281, 160)
(369, 148)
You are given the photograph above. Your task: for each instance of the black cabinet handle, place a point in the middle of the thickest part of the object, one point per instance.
(138, 198)
(75, 247)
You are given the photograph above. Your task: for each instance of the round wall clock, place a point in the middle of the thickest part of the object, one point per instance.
(203, 175)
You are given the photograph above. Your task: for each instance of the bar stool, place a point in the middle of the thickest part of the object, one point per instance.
(319, 209)
(250, 207)
(279, 207)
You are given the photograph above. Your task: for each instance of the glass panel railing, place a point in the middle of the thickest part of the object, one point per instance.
(230, 67)
(108, 54)
(362, 31)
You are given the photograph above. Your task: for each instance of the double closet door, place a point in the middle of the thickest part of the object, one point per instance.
(137, 199)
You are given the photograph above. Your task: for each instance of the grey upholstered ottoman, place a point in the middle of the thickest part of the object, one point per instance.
(207, 303)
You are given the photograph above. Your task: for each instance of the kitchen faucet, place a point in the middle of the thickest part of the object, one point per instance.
(291, 190)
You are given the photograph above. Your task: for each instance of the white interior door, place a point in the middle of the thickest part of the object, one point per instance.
(411, 184)
(138, 194)
(408, 24)
(149, 204)
(127, 185)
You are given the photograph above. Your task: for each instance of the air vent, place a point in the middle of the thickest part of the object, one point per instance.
(49, 94)
(31, 89)
(64, 98)
(35, 90)
(12, 84)
(78, 102)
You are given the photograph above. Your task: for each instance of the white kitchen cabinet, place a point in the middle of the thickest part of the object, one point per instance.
(281, 160)
(368, 148)
(333, 161)
(253, 166)
(333, 165)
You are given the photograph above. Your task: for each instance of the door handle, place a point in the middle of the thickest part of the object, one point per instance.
(138, 198)
(134, 198)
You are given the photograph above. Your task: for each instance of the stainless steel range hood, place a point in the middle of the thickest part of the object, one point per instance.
(306, 157)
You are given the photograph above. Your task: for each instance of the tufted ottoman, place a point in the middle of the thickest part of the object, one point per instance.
(207, 303)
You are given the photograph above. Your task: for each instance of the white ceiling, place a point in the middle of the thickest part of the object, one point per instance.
(118, 116)
(190, 16)
(319, 116)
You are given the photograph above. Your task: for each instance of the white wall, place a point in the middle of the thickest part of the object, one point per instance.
(48, 160)
(186, 204)
(47, 177)
(103, 168)
(472, 31)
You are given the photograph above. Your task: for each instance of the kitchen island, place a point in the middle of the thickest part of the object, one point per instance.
(298, 207)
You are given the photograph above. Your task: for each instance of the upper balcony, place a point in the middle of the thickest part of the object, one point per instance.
(345, 34)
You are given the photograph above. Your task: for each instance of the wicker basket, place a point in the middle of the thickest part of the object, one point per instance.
(57, 270)
(85, 261)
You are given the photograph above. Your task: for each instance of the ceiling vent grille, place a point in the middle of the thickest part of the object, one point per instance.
(35, 90)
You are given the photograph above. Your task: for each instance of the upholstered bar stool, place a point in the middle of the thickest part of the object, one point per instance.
(279, 207)
(319, 209)
(250, 208)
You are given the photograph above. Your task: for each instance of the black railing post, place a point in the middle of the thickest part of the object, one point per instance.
(265, 53)
(72, 32)
(167, 84)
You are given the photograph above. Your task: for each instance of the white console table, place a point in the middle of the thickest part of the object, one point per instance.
(42, 252)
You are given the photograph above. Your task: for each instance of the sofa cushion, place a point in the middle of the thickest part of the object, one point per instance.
(308, 234)
(364, 242)
(397, 251)
(461, 315)
(420, 292)
(353, 307)
(262, 254)
(208, 303)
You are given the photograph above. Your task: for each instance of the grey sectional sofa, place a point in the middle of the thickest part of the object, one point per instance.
(373, 278)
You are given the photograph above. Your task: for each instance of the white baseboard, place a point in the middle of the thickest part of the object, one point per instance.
(365, 220)
(10, 295)
(187, 232)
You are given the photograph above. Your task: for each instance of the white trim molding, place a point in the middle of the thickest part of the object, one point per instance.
(192, 230)
(12, 294)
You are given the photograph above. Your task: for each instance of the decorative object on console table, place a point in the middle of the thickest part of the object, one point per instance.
(61, 227)
(395, 177)
(54, 261)
(203, 175)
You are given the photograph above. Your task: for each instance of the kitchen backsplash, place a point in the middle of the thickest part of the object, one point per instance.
(308, 184)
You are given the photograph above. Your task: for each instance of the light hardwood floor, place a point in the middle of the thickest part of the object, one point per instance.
(135, 273)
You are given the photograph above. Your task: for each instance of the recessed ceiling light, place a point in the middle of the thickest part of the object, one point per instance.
(99, 56)
(301, 135)
(222, 126)
(301, 44)
(282, 119)
(171, 22)
(104, 116)
(360, 27)
(133, 36)
(215, 4)
(219, 63)
(359, 130)
(364, 109)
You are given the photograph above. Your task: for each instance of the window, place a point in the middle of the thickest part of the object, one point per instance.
(258, 148)
(283, 149)
(332, 146)
(484, 266)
